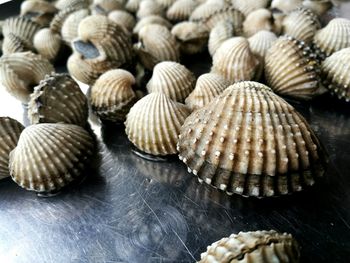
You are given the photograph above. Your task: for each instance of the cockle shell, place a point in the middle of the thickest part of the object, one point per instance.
(291, 69)
(13, 44)
(132, 5)
(58, 98)
(165, 3)
(320, 7)
(181, 10)
(39, 11)
(59, 19)
(50, 156)
(20, 72)
(248, 6)
(286, 6)
(226, 14)
(208, 86)
(10, 130)
(219, 34)
(65, 4)
(251, 247)
(251, 142)
(260, 19)
(336, 72)
(47, 43)
(235, 61)
(69, 29)
(207, 9)
(172, 79)
(154, 123)
(105, 6)
(123, 18)
(148, 20)
(112, 95)
(149, 7)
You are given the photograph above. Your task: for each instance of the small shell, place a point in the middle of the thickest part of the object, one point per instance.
(219, 34)
(47, 43)
(10, 130)
(58, 98)
(59, 19)
(154, 122)
(133, 5)
(173, 80)
(112, 95)
(249, 6)
(258, 246)
(123, 18)
(227, 14)
(181, 10)
(235, 61)
(149, 7)
(256, 21)
(286, 6)
(208, 86)
(319, 7)
(20, 72)
(251, 142)
(291, 70)
(39, 11)
(13, 44)
(207, 9)
(65, 4)
(69, 29)
(104, 7)
(50, 156)
(148, 20)
(165, 3)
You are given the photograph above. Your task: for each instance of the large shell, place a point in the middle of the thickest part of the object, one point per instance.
(148, 20)
(235, 61)
(219, 34)
(173, 80)
(20, 72)
(208, 86)
(112, 95)
(154, 123)
(181, 10)
(10, 130)
(320, 7)
(123, 18)
(250, 247)
(248, 6)
(291, 69)
(58, 98)
(39, 11)
(105, 6)
(286, 6)
(149, 7)
(258, 20)
(251, 142)
(132, 5)
(69, 29)
(50, 156)
(47, 43)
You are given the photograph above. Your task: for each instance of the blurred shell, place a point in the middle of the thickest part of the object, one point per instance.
(132, 5)
(39, 11)
(256, 21)
(173, 80)
(336, 72)
(219, 34)
(47, 43)
(227, 14)
(286, 6)
(20, 72)
(58, 98)
(250, 247)
(148, 20)
(149, 7)
(123, 18)
(235, 61)
(105, 6)
(320, 7)
(248, 6)
(278, 18)
(207, 9)
(59, 19)
(50, 156)
(291, 70)
(65, 4)
(10, 130)
(251, 142)
(208, 86)
(13, 44)
(165, 3)
(301, 24)
(69, 30)
(154, 123)
(112, 95)
(181, 10)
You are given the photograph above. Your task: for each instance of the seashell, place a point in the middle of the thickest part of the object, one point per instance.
(112, 95)
(153, 19)
(20, 72)
(208, 86)
(205, 10)
(165, 3)
(38, 11)
(154, 122)
(156, 44)
(58, 20)
(123, 18)
(291, 69)
(249, 6)
(336, 71)
(278, 18)
(132, 5)
(104, 7)
(260, 19)
(319, 7)
(251, 142)
(219, 34)
(227, 14)
(66, 4)
(234, 60)
(10, 130)
(50, 156)
(58, 98)
(172, 79)
(69, 29)
(47, 43)
(301, 24)
(193, 37)
(13, 44)
(181, 10)
(149, 7)
(258, 246)
(286, 6)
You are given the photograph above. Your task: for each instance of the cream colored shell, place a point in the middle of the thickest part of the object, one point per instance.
(132, 5)
(181, 10)
(13, 44)
(38, 10)
(258, 20)
(249, 6)
(69, 29)
(148, 20)
(320, 7)
(47, 43)
(149, 7)
(219, 34)
(104, 7)
(123, 18)
(286, 6)
(66, 4)
(166, 3)
(207, 9)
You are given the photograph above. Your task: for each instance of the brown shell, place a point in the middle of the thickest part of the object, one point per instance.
(47, 43)
(219, 34)
(258, 20)
(249, 6)
(69, 29)
(123, 18)
(148, 20)
(149, 7)
(251, 142)
(39, 11)
(181, 10)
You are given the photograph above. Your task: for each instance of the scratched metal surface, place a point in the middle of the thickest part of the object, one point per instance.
(129, 209)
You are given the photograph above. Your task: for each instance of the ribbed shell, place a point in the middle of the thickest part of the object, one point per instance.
(336, 72)
(58, 20)
(173, 80)
(248, 6)
(69, 29)
(105, 6)
(132, 5)
(19, 72)
(301, 24)
(112, 95)
(13, 44)
(165, 3)
(219, 34)
(251, 142)
(148, 20)
(207, 9)
(253, 247)
(65, 4)
(123, 18)
(235, 61)
(181, 10)
(226, 14)
(21, 27)
(291, 70)
(286, 6)
(149, 7)
(319, 7)
(50, 156)
(154, 122)
(256, 21)
(39, 11)
(58, 98)
(208, 86)
(10, 130)
(47, 43)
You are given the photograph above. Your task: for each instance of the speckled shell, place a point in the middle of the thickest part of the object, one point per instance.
(291, 70)
(219, 34)
(58, 98)
(320, 7)
(286, 6)
(112, 95)
(123, 18)
(301, 24)
(47, 43)
(253, 247)
(181, 10)
(132, 5)
(173, 80)
(154, 123)
(69, 29)
(208, 86)
(148, 20)
(235, 61)
(105, 6)
(149, 7)
(251, 142)
(336, 73)
(19, 72)
(248, 6)
(39, 11)
(10, 130)
(260, 19)
(50, 156)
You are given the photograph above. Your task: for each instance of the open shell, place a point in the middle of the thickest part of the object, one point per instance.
(149, 7)
(148, 20)
(181, 10)
(39, 11)
(260, 19)
(47, 43)
(104, 7)
(123, 18)
(251, 142)
(219, 34)
(69, 29)
(248, 6)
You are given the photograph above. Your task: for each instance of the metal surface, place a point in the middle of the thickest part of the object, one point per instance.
(129, 209)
